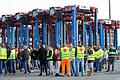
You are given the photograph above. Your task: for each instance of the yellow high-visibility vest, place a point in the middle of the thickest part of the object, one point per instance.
(12, 55)
(99, 53)
(80, 52)
(51, 57)
(65, 53)
(91, 57)
(72, 53)
(3, 53)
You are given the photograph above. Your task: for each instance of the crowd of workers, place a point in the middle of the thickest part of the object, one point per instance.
(67, 60)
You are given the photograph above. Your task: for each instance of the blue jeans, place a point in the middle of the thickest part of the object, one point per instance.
(1, 65)
(12, 64)
(78, 63)
(72, 66)
(26, 66)
(98, 64)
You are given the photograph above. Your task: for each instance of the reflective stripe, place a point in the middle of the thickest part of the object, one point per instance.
(65, 53)
(3, 53)
(12, 55)
(112, 52)
(80, 52)
(99, 53)
(49, 58)
(72, 53)
(91, 57)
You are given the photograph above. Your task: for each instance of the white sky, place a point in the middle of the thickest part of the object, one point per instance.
(14, 6)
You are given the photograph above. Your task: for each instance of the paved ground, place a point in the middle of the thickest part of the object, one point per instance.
(98, 76)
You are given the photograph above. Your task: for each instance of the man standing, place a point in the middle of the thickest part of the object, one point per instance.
(42, 54)
(65, 60)
(111, 57)
(50, 59)
(57, 59)
(79, 54)
(11, 59)
(25, 57)
(98, 61)
(3, 58)
(72, 60)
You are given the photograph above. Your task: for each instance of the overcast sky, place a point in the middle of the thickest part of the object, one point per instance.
(14, 6)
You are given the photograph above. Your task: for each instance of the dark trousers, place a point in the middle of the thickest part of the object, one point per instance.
(111, 62)
(98, 64)
(3, 62)
(11, 66)
(43, 64)
(26, 66)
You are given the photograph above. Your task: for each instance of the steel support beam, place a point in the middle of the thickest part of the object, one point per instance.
(36, 34)
(74, 24)
(106, 38)
(44, 32)
(56, 32)
(21, 35)
(61, 31)
(96, 27)
(101, 36)
(84, 34)
(90, 35)
(64, 32)
(115, 38)
(26, 35)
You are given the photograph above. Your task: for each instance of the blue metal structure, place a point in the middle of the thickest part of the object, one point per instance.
(64, 32)
(26, 35)
(13, 37)
(84, 34)
(60, 31)
(56, 32)
(36, 35)
(101, 36)
(21, 35)
(115, 38)
(44, 32)
(96, 27)
(90, 35)
(74, 36)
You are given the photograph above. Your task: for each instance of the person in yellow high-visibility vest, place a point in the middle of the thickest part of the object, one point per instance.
(11, 59)
(98, 58)
(65, 55)
(72, 60)
(3, 59)
(57, 59)
(112, 54)
(79, 54)
(91, 59)
(50, 59)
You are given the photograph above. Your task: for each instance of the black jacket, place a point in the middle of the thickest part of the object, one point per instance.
(25, 55)
(42, 54)
(34, 54)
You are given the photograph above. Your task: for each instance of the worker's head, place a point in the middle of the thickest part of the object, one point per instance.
(90, 51)
(71, 45)
(64, 45)
(49, 47)
(25, 47)
(58, 46)
(43, 45)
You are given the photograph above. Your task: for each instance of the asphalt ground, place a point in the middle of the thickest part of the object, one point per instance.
(97, 76)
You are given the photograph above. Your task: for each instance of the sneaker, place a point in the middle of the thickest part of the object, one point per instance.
(57, 74)
(107, 70)
(40, 74)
